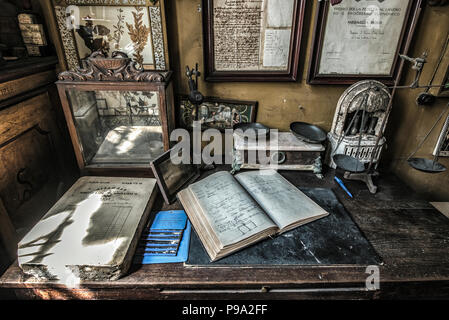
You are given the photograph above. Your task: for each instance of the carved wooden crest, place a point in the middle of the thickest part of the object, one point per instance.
(117, 68)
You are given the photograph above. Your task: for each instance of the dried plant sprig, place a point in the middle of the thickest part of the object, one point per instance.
(118, 28)
(138, 34)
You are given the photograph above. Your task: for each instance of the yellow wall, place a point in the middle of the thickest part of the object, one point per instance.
(410, 123)
(279, 103)
(283, 103)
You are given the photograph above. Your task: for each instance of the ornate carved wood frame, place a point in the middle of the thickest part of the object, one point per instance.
(313, 76)
(156, 15)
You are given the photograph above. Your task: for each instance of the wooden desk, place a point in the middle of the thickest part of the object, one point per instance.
(409, 234)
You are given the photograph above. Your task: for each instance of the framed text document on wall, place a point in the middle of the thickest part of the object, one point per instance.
(252, 40)
(360, 39)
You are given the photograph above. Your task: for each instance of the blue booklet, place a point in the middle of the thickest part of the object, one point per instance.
(166, 246)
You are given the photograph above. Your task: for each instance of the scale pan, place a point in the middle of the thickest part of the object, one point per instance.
(308, 132)
(426, 165)
(348, 163)
(254, 128)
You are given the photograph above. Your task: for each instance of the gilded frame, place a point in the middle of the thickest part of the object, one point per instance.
(157, 26)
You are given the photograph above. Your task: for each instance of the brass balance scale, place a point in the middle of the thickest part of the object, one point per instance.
(354, 168)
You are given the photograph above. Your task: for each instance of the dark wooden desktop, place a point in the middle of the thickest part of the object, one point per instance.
(411, 237)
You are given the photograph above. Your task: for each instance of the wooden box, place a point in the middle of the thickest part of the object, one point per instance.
(119, 116)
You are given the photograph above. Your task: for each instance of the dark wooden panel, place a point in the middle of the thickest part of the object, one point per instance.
(20, 117)
(26, 150)
(27, 165)
(19, 86)
(33, 146)
(8, 235)
(23, 67)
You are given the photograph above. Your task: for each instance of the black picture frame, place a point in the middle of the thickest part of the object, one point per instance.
(187, 173)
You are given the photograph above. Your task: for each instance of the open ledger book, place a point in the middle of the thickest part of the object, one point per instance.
(232, 212)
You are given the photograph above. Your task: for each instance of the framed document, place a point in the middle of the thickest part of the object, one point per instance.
(135, 27)
(215, 113)
(252, 40)
(360, 39)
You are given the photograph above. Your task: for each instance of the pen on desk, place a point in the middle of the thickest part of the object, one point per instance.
(342, 185)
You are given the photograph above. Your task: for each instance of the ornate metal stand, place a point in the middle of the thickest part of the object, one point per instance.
(365, 177)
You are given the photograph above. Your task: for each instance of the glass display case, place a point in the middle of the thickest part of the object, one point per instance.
(119, 116)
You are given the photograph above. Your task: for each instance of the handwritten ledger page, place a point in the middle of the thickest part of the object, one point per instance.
(230, 213)
(286, 205)
(252, 35)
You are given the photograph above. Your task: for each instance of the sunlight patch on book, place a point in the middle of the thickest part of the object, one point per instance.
(89, 233)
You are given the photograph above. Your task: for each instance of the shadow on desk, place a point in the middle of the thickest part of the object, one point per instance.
(5, 294)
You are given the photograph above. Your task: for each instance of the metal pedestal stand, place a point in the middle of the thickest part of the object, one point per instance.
(353, 167)
(365, 177)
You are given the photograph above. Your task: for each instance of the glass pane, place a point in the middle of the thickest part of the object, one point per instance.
(117, 127)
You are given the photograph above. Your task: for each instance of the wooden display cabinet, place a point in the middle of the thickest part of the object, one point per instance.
(119, 116)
